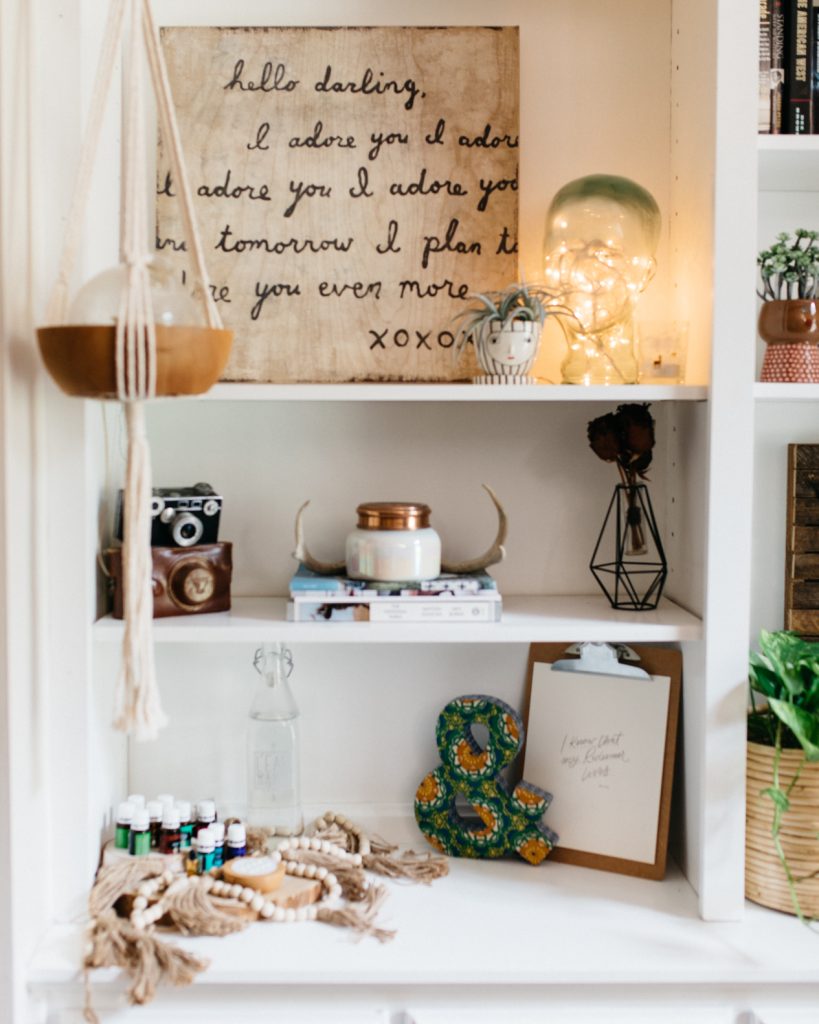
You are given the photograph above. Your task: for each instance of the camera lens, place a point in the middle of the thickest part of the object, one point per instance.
(186, 530)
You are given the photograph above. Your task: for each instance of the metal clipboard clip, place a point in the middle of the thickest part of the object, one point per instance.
(601, 659)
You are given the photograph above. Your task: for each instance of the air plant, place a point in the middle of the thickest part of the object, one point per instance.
(517, 302)
(626, 438)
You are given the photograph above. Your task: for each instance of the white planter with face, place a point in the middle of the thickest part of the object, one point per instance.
(506, 352)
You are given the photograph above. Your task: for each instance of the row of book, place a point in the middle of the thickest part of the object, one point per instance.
(470, 597)
(789, 67)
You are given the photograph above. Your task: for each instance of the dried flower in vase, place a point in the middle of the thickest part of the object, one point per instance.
(626, 437)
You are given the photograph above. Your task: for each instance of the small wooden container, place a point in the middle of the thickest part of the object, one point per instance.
(765, 881)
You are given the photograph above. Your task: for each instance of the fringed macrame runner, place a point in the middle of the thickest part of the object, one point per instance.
(138, 711)
(193, 907)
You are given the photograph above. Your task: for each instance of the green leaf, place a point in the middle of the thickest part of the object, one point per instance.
(778, 798)
(763, 679)
(803, 724)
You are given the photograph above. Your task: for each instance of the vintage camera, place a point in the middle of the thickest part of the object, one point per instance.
(181, 517)
(186, 581)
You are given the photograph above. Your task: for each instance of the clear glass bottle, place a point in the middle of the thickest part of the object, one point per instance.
(273, 790)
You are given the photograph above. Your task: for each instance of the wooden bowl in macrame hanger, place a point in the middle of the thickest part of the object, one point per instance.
(132, 355)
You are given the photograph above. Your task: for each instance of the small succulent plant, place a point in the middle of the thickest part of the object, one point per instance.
(789, 269)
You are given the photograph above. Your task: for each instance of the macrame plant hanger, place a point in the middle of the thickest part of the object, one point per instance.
(131, 27)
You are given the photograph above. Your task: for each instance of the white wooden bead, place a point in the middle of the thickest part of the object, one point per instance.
(321, 824)
(138, 920)
(301, 914)
(278, 914)
(324, 846)
(267, 910)
(321, 873)
(312, 913)
(247, 895)
(236, 891)
(310, 870)
(257, 902)
(290, 914)
(316, 844)
(140, 903)
(207, 882)
(167, 877)
(357, 860)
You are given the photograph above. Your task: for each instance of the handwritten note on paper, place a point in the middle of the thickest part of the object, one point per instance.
(597, 743)
(353, 186)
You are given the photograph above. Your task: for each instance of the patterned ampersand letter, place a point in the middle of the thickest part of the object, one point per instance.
(510, 821)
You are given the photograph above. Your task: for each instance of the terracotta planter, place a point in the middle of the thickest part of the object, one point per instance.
(81, 359)
(790, 327)
(765, 881)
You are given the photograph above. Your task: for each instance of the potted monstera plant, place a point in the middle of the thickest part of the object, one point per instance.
(782, 819)
(789, 315)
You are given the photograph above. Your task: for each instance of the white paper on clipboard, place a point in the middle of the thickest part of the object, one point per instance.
(597, 743)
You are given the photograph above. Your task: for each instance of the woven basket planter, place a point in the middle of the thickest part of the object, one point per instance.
(765, 881)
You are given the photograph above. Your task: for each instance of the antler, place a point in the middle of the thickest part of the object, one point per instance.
(301, 554)
(495, 554)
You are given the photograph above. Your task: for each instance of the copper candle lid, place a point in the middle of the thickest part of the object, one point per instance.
(393, 515)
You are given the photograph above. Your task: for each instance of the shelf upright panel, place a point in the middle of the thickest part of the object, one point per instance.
(716, 682)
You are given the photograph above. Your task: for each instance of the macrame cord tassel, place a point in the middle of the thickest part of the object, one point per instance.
(138, 707)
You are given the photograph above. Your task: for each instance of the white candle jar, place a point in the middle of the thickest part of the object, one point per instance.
(393, 542)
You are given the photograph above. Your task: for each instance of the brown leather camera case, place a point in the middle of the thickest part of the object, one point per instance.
(186, 581)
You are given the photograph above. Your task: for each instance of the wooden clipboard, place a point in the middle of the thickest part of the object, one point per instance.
(657, 661)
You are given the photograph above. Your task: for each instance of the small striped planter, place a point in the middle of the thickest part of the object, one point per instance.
(765, 881)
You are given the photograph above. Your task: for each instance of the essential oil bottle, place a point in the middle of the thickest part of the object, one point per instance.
(204, 851)
(138, 801)
(185, 823)
(236, 845)
(205, 815)
(166, 799)
(154, 809)
(125, 814)
(139, 839)
(170, 838)
(218, 830)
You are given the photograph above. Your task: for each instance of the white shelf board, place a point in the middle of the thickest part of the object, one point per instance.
(491, 923)
(788, 163)
(245, 392)
(526, 619)
(764, 392)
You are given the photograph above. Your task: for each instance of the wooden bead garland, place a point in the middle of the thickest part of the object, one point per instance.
(143, 914)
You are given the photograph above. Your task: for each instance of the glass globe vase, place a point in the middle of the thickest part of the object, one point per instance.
(81, 355)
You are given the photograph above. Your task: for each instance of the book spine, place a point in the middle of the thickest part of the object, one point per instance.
(764, 106)
(814, 49)
(394, 611)
(798, 69)
(777, 73)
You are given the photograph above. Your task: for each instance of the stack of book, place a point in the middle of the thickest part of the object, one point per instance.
(471, 597)
(788, 67)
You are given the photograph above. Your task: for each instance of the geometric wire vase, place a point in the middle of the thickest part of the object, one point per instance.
(628, 560)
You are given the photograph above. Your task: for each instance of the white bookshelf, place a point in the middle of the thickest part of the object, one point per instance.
(526, 619)
(243, 392)
(578, 943)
